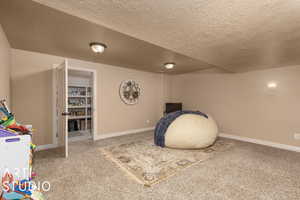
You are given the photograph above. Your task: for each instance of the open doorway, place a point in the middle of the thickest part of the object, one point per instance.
(80, 104)
(75, 94)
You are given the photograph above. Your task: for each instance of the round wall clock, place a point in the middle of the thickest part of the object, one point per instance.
(130, 92)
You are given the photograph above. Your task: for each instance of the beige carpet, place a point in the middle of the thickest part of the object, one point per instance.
(149, 164)
(245, 171)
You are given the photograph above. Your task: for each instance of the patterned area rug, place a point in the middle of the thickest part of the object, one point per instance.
(149, 164)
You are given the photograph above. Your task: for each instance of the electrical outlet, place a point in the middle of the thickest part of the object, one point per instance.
(297, 136)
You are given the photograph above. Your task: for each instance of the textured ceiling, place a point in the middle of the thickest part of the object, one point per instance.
(239, 35)
(36, 27)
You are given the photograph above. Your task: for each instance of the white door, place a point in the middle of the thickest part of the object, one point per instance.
(62, 107)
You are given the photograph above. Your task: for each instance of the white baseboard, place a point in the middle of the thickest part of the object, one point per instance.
(45, 147)
(128, 132)
(98, 137)
(261, 142)
(234, 137)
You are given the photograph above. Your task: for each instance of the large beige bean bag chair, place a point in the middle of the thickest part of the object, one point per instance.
(190, 131)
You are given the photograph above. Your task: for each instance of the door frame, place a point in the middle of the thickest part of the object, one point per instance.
(54, 109)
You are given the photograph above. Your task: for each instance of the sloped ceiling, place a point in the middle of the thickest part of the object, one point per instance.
(239, 35)
(36, 27)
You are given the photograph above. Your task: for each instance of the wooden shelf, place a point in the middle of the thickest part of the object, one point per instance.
(84, 95)
(80, 117)
(78, 86)
(84, 106)
(79, 96)
(76, 117)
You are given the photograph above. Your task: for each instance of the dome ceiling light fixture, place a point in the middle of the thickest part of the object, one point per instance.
(169, 65)
(272, 85)
(98, 47)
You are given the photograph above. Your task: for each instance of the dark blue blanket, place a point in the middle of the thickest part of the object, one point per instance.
(163, 124)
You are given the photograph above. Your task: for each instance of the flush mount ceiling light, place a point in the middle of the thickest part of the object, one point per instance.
(98, 47)
(169, 65)
(272, 85)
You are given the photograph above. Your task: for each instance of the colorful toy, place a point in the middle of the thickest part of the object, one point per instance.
(19, 190)
(13, 196)
(19, 128)
(7, 179)
(6, 133)
(11, 189)
(4, 108)
(24, 187)
(32, 146)
(37, 195)
(9, 120)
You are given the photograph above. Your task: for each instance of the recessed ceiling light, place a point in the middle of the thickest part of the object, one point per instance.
(98, 47)
(169, 65)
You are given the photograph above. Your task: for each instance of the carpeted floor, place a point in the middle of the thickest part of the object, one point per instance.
(246, 171)
(148, 164)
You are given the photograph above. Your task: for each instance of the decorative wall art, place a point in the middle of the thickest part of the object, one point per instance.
(130, 92)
